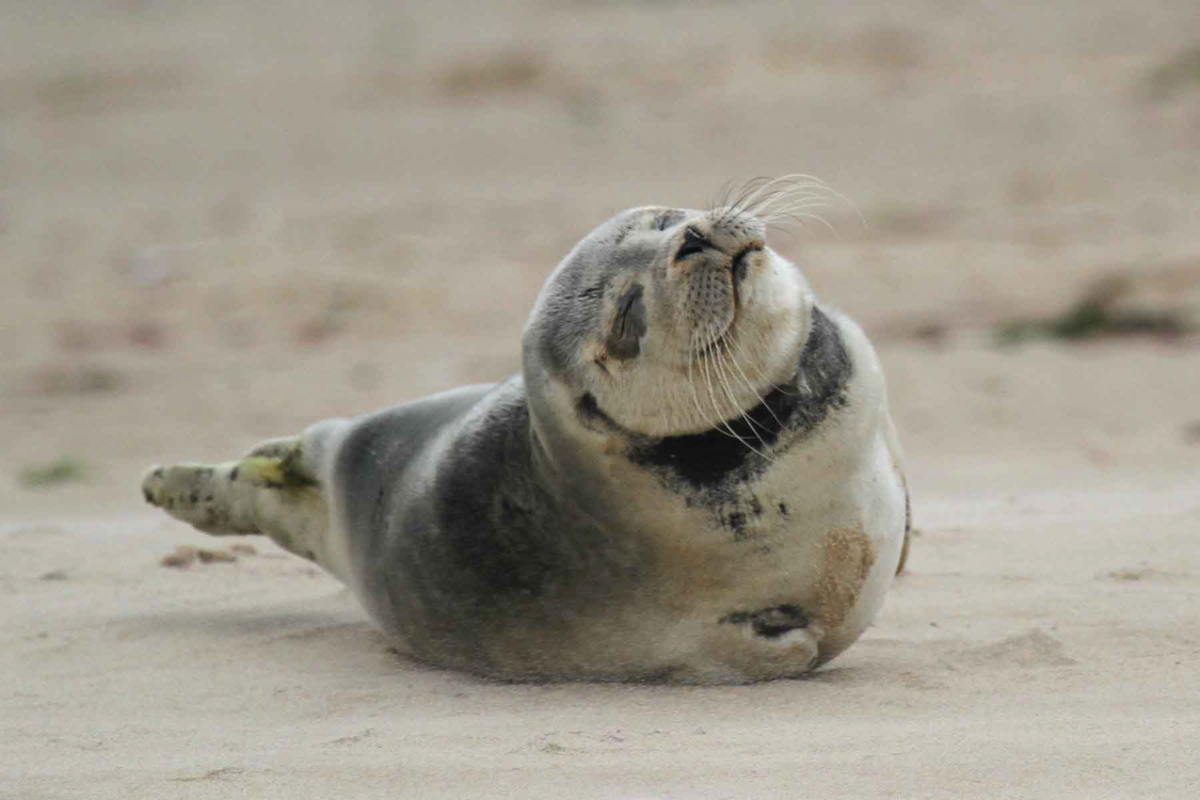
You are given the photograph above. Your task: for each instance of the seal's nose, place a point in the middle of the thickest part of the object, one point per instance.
(693, 242)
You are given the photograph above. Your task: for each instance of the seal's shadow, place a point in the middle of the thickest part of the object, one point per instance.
(288, 638)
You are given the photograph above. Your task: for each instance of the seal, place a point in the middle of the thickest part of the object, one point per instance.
(694, 479)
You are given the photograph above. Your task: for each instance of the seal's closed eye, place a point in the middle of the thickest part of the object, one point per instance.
(629, 326)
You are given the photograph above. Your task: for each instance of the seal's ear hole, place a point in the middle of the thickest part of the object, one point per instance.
(629, 325)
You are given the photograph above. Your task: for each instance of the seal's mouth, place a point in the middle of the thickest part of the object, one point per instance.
(740, 265)
(738, 269)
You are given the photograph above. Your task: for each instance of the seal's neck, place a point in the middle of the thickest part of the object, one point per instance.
(745, 442)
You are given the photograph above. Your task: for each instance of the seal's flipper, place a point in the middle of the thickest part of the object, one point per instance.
(268, 492)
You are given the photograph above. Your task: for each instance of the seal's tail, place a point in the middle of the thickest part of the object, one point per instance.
(269, 492)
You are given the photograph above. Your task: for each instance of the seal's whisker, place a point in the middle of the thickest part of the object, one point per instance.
(786, 188)
(762, 343)
(784, 229)
(722, 347)
(788, 181)
(775, 216)
(790, 201)
(796, 204)
(787, 212)
(831, 193)
(748, 190)
(749, 422)
(722, 214)
(761, 399)
(799, 216)
(695, 396)
(691, 381)
(767, 204)
(722, 420)
(721, 200)
(779, 220)
(771, 386)
(722, 423)
(719, 368)
(739, 203)
(759, 193)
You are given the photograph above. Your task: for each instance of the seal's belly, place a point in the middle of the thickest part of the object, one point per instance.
(473, 559)
(793, 586)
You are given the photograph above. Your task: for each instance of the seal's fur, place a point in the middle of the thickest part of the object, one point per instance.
(629, 507)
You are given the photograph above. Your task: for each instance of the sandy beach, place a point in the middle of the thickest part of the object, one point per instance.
(221, 223)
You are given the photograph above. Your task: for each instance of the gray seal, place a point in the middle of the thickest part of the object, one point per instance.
(694, 478)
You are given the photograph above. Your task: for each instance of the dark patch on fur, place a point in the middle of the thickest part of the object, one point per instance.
(783, 509)
(737, 514)
(703, 460)
(770, 623)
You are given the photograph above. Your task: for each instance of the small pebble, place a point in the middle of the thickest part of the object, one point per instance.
(183, 555)
(213, 556)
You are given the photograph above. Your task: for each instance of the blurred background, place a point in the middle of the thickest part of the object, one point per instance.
(222, 221)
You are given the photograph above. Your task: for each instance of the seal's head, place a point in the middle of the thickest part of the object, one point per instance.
(668, 321)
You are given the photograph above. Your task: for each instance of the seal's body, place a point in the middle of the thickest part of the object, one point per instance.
(695, 478)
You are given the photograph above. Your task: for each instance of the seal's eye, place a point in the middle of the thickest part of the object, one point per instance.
(667, 219)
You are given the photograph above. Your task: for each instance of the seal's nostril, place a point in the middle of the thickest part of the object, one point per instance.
(693, 242)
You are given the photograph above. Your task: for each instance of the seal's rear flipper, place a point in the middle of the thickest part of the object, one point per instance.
(268, 492)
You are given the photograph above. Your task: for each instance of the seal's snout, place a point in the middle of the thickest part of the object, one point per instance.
(152, 486)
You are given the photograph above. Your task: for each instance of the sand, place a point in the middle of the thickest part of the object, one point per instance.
(220, 223)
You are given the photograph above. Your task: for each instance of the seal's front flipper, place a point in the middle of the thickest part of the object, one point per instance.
(268, 492)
